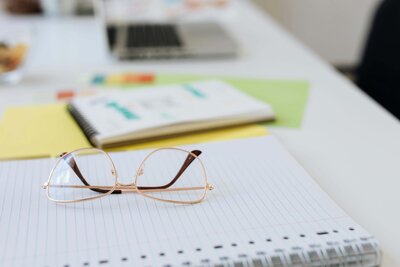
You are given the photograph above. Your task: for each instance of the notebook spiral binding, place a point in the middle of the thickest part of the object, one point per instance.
(355, 253)
(86, 127)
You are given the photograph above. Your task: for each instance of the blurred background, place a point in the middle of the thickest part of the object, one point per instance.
(360, 38)
(335, 30)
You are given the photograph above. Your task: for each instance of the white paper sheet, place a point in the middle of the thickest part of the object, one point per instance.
(263, 201)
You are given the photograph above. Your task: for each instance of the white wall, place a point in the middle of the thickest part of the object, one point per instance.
(334, 29)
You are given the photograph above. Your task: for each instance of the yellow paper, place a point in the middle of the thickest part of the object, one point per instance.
(213, 135)
(39, 131)
(48, 130)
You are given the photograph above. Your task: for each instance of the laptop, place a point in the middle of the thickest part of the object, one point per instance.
(143, 39)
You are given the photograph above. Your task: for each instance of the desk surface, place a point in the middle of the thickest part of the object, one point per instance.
(349, 144)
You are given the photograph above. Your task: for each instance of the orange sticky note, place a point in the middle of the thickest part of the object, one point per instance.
(132, 78)
(65, 95)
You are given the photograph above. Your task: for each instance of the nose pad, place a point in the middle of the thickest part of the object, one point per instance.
(140, 171)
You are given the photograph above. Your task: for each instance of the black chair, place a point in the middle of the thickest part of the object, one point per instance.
(379, 72)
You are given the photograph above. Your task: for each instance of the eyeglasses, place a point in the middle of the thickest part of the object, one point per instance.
(167, 174)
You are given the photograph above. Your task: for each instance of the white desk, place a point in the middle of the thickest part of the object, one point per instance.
(348, 143)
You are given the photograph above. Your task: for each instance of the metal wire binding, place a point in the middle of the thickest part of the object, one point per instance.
(363, 252)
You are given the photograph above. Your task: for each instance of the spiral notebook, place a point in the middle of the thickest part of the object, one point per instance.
(116, 118)
(265, 211)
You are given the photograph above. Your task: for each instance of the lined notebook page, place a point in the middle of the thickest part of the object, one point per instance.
(263, 202)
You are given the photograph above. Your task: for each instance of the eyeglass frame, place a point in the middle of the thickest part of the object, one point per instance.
(132, 187)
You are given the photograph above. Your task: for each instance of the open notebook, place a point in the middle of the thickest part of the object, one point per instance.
(265, 211)
(115, 118)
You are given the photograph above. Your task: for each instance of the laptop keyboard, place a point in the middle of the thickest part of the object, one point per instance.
(152, 35)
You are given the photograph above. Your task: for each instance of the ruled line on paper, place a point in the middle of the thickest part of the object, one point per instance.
(260, 193)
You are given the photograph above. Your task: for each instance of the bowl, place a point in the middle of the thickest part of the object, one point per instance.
(13, 50)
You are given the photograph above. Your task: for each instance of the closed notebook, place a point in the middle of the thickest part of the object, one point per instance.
(133, 116)
(265, 210)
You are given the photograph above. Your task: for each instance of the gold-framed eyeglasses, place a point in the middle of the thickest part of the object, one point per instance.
(168, 174)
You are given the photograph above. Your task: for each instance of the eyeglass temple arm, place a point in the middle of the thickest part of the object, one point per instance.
(189, 159)
(74, 166)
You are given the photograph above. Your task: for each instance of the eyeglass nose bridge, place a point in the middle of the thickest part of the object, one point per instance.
(129, 187)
